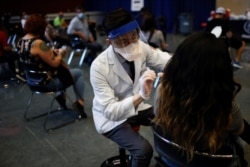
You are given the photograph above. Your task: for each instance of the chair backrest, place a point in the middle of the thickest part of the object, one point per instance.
(36, 77)
(172, 155)
(37, 81)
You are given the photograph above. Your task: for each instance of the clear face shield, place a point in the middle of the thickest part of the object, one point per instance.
(125, 41)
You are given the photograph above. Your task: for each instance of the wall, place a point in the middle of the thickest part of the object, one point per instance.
(237, 7)
(171, 9)
(16, 7)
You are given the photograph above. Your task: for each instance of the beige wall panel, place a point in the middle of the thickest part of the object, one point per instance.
(237, 7)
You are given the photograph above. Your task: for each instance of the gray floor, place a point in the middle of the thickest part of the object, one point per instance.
(26, 144)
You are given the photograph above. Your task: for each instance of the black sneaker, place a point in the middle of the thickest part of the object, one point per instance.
(77, 106)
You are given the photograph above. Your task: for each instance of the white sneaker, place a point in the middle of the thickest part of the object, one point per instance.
(237, 64)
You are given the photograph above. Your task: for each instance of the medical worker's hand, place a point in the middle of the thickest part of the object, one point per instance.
(146, 83)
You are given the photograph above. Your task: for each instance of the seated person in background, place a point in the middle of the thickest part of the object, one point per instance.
(60, 24)
(7, 55)
(231, 40)
(54, 37)
(23, 18)
(247, 14)
(121, 84)
(161, 23)
(79, 26)
(92, 28)
(35, 53)
(153, 36)
(144, 13)
(196, 97)
(59, 21)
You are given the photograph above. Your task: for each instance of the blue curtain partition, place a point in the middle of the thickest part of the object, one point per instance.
(197, 10)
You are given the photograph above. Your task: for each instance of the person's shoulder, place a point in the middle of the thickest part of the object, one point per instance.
(214, 20)
(103, 58)
(158, 32)
(74, 20)
(218, 20)
(37, 42)
(98, 64)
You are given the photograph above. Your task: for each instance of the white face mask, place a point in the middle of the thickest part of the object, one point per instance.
(248, 15)
(131, 51)
(81, 16)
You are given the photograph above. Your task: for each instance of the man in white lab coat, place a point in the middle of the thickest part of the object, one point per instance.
(122, 80)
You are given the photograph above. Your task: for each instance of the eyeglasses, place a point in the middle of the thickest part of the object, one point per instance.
(126, 39)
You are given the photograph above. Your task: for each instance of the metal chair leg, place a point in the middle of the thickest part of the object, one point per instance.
(27, 110)
(84, 52)
(46, 128)
(71, 57)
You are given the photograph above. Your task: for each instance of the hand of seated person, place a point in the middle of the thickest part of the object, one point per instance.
(82, 36)
(60, 51)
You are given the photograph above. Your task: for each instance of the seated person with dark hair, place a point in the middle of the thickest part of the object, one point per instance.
(153, 36)
(195, 102)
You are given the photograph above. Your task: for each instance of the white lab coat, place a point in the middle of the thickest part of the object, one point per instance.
(114, 89)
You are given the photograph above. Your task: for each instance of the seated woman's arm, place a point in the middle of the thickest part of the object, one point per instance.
(46, 53)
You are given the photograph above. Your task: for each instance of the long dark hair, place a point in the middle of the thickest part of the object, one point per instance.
(196, 93)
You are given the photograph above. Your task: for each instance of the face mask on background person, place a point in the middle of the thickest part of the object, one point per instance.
(248, 15)
(80, 16)
(131, 51)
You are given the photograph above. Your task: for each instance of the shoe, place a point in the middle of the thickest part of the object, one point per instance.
(236, 64)
(78, 107)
